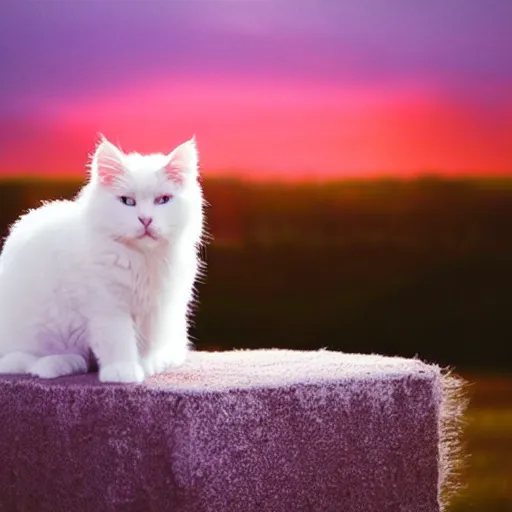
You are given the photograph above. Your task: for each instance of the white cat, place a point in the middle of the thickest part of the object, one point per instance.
(110, 274)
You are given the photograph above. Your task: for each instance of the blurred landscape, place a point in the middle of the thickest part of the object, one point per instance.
(411, 268)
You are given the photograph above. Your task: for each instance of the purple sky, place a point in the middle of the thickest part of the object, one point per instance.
(66, 50)
(72, 47)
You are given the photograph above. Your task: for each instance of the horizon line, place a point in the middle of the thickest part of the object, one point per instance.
(289, 180)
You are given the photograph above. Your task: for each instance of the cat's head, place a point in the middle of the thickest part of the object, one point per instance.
(144, 200)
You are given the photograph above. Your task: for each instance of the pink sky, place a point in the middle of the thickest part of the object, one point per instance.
(339, 91)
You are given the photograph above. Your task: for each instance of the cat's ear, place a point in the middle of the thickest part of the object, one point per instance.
(183, 162)
(107, 163)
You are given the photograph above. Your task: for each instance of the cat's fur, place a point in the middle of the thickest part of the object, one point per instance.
(79, 281)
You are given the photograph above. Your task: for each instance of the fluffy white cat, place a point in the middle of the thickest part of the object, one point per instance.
(109, 275)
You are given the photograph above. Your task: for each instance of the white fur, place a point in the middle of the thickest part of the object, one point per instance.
(75, 278)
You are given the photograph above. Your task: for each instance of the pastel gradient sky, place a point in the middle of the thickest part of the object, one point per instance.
(271, 88)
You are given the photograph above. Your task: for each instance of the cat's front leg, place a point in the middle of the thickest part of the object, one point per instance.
(170, 344)
(113, 341)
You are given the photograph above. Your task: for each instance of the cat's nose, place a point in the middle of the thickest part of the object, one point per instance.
(146, 221)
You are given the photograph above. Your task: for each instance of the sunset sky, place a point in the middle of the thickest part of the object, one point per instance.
(270, 88)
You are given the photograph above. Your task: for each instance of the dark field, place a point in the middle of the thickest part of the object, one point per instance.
(488, 439)
(401, 268)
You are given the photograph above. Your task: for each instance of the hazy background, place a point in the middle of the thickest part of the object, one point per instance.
(356, 156)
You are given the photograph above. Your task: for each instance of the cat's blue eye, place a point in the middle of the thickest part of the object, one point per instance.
(128, 201)
(163, 199)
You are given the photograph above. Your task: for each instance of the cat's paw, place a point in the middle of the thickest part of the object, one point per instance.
(160, 360)
(122, 372)
(17, 362)
(51, 367)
